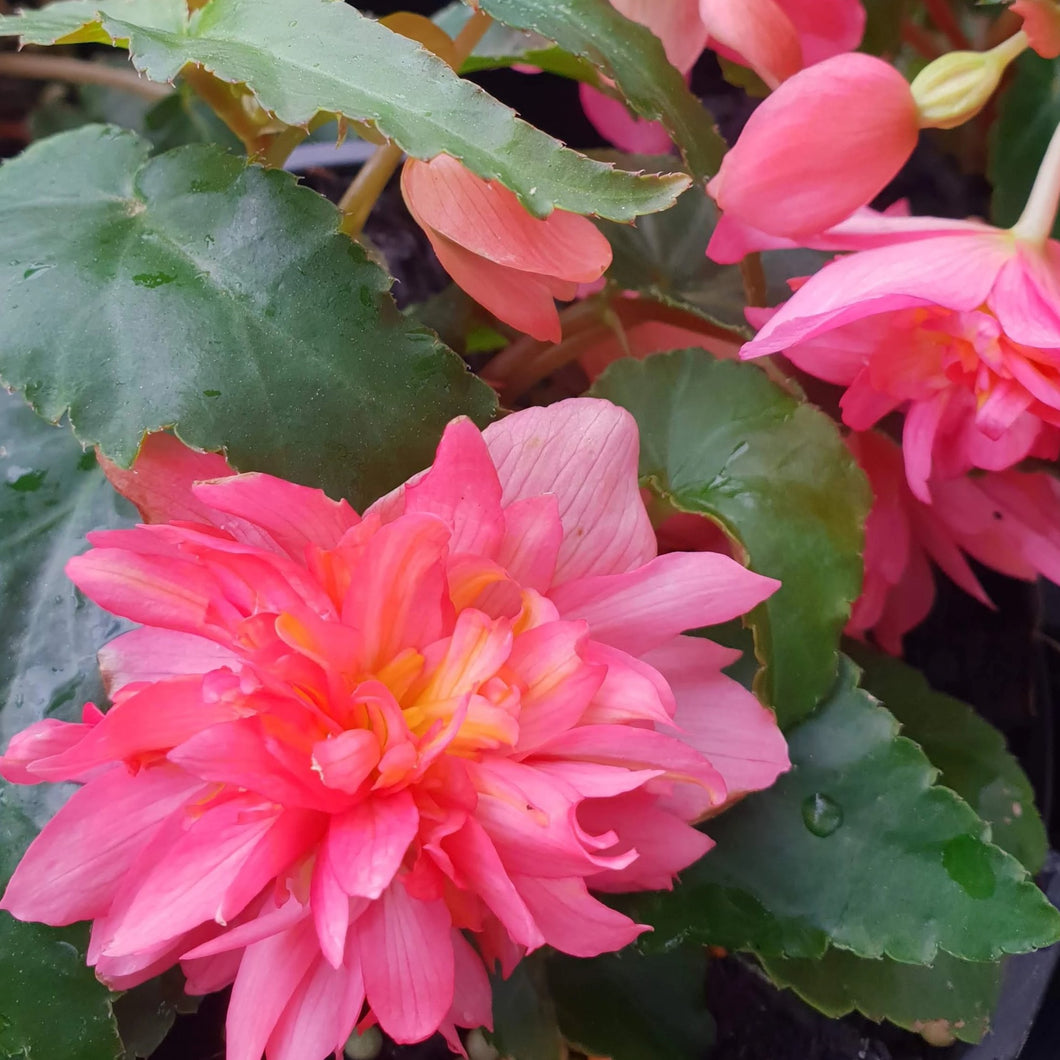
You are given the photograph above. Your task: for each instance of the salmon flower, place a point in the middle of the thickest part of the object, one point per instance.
(960, 330)
(1008, 520)
(1041, 23)
(351, 762)
(508, 261)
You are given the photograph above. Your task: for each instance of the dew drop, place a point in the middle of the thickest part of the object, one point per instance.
(151, 280)
(821, 815)
(33, 270)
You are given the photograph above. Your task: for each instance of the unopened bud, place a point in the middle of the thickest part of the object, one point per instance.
(953, 88)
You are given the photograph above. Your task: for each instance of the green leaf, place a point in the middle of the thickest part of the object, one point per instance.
(524, 1013)
(956, 996)
(853, 848)
(146, 1013)
(51, 495)
(628, 1005)
(301, 57)
(51, 1005)
(633, 57)
(718, 438)
(502, 47)
(968, 751)
(664, 257)
(1029, 113)
(189, 289)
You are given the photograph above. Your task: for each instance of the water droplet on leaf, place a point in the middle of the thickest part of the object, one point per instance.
(152, 280)
(821, 815)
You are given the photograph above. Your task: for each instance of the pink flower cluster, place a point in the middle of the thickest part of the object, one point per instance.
(353, 761)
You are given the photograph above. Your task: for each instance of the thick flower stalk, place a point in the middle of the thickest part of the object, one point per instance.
(341, 747)
(1007, 520)
(958, 329)
(512, 263)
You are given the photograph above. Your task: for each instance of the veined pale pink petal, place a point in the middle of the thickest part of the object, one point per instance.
(719, 717)
(150, 654)
(808, 158)
(407, 957)
(584, 452)
(758, 32)
(637, 611)
(613, 121)
(366, 844)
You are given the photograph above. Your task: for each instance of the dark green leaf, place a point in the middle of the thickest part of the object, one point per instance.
(51, 1005)
(856, 849)
(954, 996)
(630, 55)
(51, 495)
(1029, 113)
(189, 289)
(883, 26)
(629, 1006)
(146, 1013)
(524, 1014)
(301, 57)
(968, 751)
(720, 439)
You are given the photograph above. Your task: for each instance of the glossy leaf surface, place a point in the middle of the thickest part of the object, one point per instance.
(189, 289)
(720, 439)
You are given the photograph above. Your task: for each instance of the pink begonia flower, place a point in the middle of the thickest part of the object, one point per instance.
(822, 145)
(1041, 23)
(341, 746)
(960, 331)
(512, 263)
(1008, 520)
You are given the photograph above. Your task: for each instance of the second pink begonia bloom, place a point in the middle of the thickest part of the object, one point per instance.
(825, 143)
(512, 263)
(1008, 520)
(352, 761)
(1041, 23)
(959, 330)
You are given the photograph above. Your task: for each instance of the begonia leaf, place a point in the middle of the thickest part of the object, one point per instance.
(631, 56)
(301, 57)
(952, 996)
(502, 47)
(146, 1013)
(857, 848)
(524, 1013)
(191, 290)
(968, 751)
(52, 493)
(629, 1005)
(51, 1005)
(720, 439)
(1029, 112)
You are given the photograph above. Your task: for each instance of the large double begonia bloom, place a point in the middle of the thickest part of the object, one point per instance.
(1007, 520)
(825, 143)
(341, 747)
(959, 330)
(512, 263)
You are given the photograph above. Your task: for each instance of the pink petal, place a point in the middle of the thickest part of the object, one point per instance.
(160, 480)
(294, 516)
(269, 975)
(572, 920)
(719, 717)
(676, 23)
(826, 27)
(807, 158)
(673, 593)
(532, 539)
(472, 998)
(584, 451)
(488, 221)
(71, 870)
(757, 33)
(42, 740)
(366, 844)
(407, 956)
(612, 120)
(149, 654)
